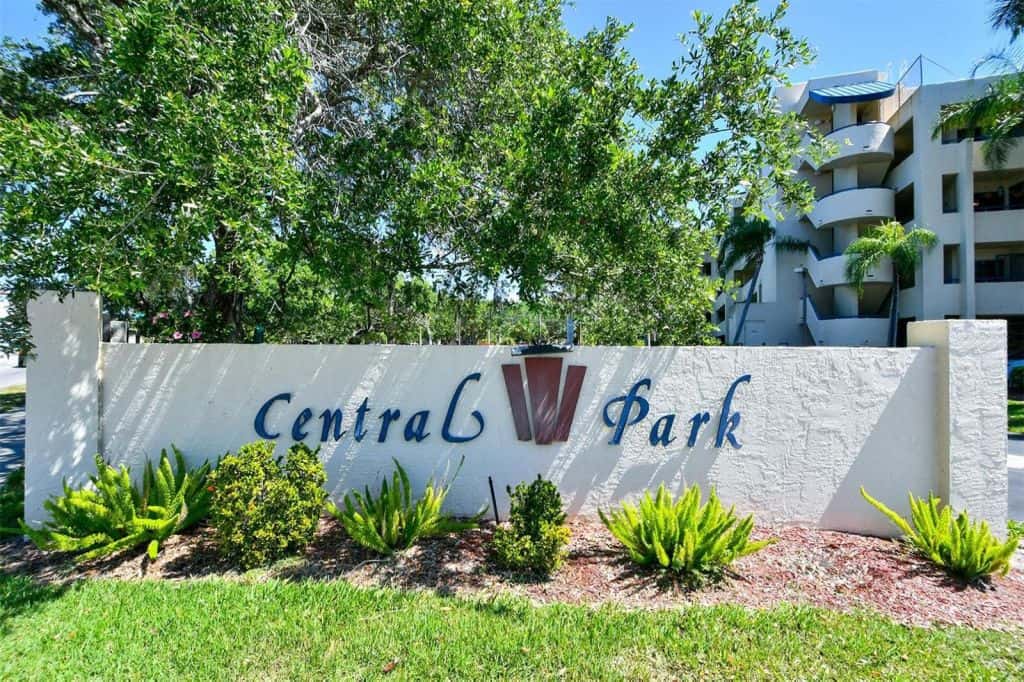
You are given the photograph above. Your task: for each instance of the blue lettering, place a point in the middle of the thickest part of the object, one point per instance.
(300, 421)
(665, 436)
(260, 423)
(697, 420)
(446, 433)
(416, 427)
(627, 407)
(727, 423)
(331, 418)
(386, 418)
(360, 432)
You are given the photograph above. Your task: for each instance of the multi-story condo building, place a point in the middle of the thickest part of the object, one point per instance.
(886, 164)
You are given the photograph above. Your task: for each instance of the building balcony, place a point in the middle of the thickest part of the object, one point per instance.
(856, 144)
(999, 298)
(844, 331)
(830, 271)
(851, 205)
(999, 226)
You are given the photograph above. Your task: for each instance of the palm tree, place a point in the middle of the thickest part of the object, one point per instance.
(1008, 14)
(743, 243)
(904, 249)
(1000, 112)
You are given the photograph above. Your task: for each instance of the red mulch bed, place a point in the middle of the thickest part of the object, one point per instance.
(833, 570)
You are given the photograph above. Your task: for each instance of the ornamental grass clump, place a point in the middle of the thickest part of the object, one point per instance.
(968, 550)
(695, 541)
(265, 508)
(114, 514)
(535, 538)
(393, 520)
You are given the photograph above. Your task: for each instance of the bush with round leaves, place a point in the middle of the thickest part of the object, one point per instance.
(264, 508)
(535, 538)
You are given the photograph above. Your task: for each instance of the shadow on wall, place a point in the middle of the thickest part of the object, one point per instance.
(887, 464)
(816, 423)
(61, 410)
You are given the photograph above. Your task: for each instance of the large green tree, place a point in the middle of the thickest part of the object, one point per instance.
(332, 170)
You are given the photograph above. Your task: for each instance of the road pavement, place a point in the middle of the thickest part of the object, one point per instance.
(1015, 472)
(10, 375)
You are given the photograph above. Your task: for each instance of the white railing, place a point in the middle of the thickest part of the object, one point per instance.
(830, 271)
(858, 143)
(848, 205)
(844, 331)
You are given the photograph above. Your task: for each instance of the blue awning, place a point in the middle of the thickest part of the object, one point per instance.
(856, 92)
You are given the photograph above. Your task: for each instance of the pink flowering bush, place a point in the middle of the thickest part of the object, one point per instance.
(168, 326)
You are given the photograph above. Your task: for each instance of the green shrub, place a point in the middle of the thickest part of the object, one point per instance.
(692, 540)
(536, 535)
(393, 520)
(12, 502)
(1015, 529)
(263, 509)
(1016, 380)
(114, 514)
(967, 550)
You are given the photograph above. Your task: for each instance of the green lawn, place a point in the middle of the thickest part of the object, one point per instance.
(217, 629)
(1015, 410)
(12, 398)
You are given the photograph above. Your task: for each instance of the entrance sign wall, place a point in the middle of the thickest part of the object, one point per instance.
(787, 433)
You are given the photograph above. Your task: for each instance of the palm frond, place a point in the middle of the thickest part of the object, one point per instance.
(743, 241)
(792, 244)
(1008, 14)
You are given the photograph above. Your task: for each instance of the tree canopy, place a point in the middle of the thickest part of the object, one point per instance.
(336, 170)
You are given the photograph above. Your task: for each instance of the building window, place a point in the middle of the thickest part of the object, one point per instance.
(903, 143)
(905, 204)
(952, 135)
(949, 193)
(1002, 268)
(951, 263)
(999, 190)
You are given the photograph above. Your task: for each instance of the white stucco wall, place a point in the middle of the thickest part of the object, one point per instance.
(816, 423)
(62, 409)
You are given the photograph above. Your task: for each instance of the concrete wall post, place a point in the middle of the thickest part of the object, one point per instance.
(971, 417)
(62, 432)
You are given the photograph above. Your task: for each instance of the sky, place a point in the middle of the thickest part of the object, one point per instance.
(848, 35)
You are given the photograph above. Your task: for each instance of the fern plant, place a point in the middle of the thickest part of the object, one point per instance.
(114, 514)
(393, 520)
(1015, 529)
(692, 540)
(967, 550)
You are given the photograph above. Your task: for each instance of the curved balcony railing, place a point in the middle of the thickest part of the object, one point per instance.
(844, 331)
(857, 143)
(850, 205)
(830, 270)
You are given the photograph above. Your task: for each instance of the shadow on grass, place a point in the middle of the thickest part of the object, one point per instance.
(19, 594)
(12, 398)
(914, 565)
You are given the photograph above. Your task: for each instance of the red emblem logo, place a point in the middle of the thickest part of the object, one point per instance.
(552, 418)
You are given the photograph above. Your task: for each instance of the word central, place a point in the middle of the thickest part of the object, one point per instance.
(331, 421)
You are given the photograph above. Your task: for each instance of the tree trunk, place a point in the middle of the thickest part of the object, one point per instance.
(894, 308)
(746, 304)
